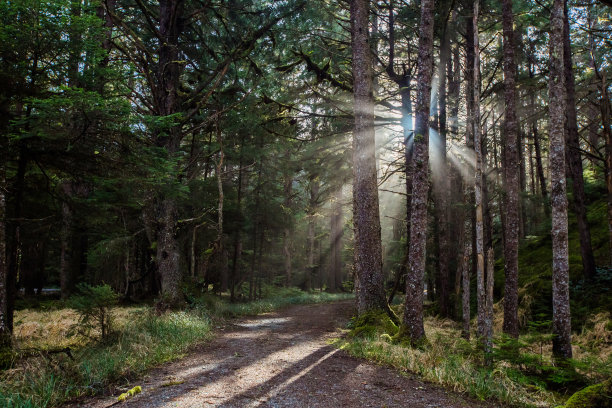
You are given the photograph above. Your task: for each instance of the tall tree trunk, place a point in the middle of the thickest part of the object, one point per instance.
(469, 130)
(465, 276)
(366, 218)
(522, 184)
(335, 278)
(574, 160)
(221, 254)
(287, 189)
(412, 324)
(167, 103)
(442, 187)
(5, 328)
(562, 347)
(66, 240)
(480, 255)
(511, 177)
(489, 304)
(312, 266)
(238, 233)
(457, 189)
(539, 163)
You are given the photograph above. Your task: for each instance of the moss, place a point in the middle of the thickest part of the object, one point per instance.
(403, 339)
(130, 393)
(595, 396)
(373, 323)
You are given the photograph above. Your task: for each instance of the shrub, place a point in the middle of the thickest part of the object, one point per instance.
(93, 304)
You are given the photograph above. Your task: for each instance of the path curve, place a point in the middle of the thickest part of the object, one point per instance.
(283, 359)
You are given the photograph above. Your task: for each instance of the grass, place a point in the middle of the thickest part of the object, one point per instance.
(526, 379)
(142, 340)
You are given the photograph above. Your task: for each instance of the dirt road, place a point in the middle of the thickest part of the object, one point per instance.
(283, 359)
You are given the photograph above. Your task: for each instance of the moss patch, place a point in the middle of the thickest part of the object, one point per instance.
(595, 396)
(373, 323)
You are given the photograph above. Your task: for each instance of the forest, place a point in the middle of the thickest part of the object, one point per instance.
(436, 173)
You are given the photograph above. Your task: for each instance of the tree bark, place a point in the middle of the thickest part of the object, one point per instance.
(167, 103)
(66, 238)
(489, 304)
(511, 177)
(366, 218)
(465, 277)
(574, 160)
(287, 189)
(312, 266)
(5, 327)
(412, 324)
(220, 252)
(335, 278)
(480, 256)
(238, 233)
(442, 189)
(562, 347)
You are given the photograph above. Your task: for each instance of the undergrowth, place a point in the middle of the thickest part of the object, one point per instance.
(141, 340)
(522, 372)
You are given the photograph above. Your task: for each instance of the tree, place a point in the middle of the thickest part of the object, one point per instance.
(562, 347)
(412, 324)
(366, 221)
(574, 159)
(484, 332)
(5, 329)
(511, 177)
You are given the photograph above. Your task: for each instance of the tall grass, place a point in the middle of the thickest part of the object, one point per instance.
(148, 341)
(453, 362)
(142, 340)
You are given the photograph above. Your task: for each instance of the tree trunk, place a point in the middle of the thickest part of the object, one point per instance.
(238, 233)
(335, 278)
(366, 218)
(66, 277)
(5, 328)
(221, 253)
(511, 177)
(574, 160)
(287, 189)
(442, 189)
(168, 254)
(465, 277)
(412, 324)
(167, 103)
(310, 268)
(489, 305)
(480, 256)
(539, 165)
(562, 347)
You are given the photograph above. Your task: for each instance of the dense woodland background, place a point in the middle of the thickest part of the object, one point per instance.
(175, 147)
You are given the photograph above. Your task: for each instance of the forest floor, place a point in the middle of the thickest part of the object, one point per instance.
(282, 359)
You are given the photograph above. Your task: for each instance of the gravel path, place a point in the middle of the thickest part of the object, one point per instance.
(282, 359)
